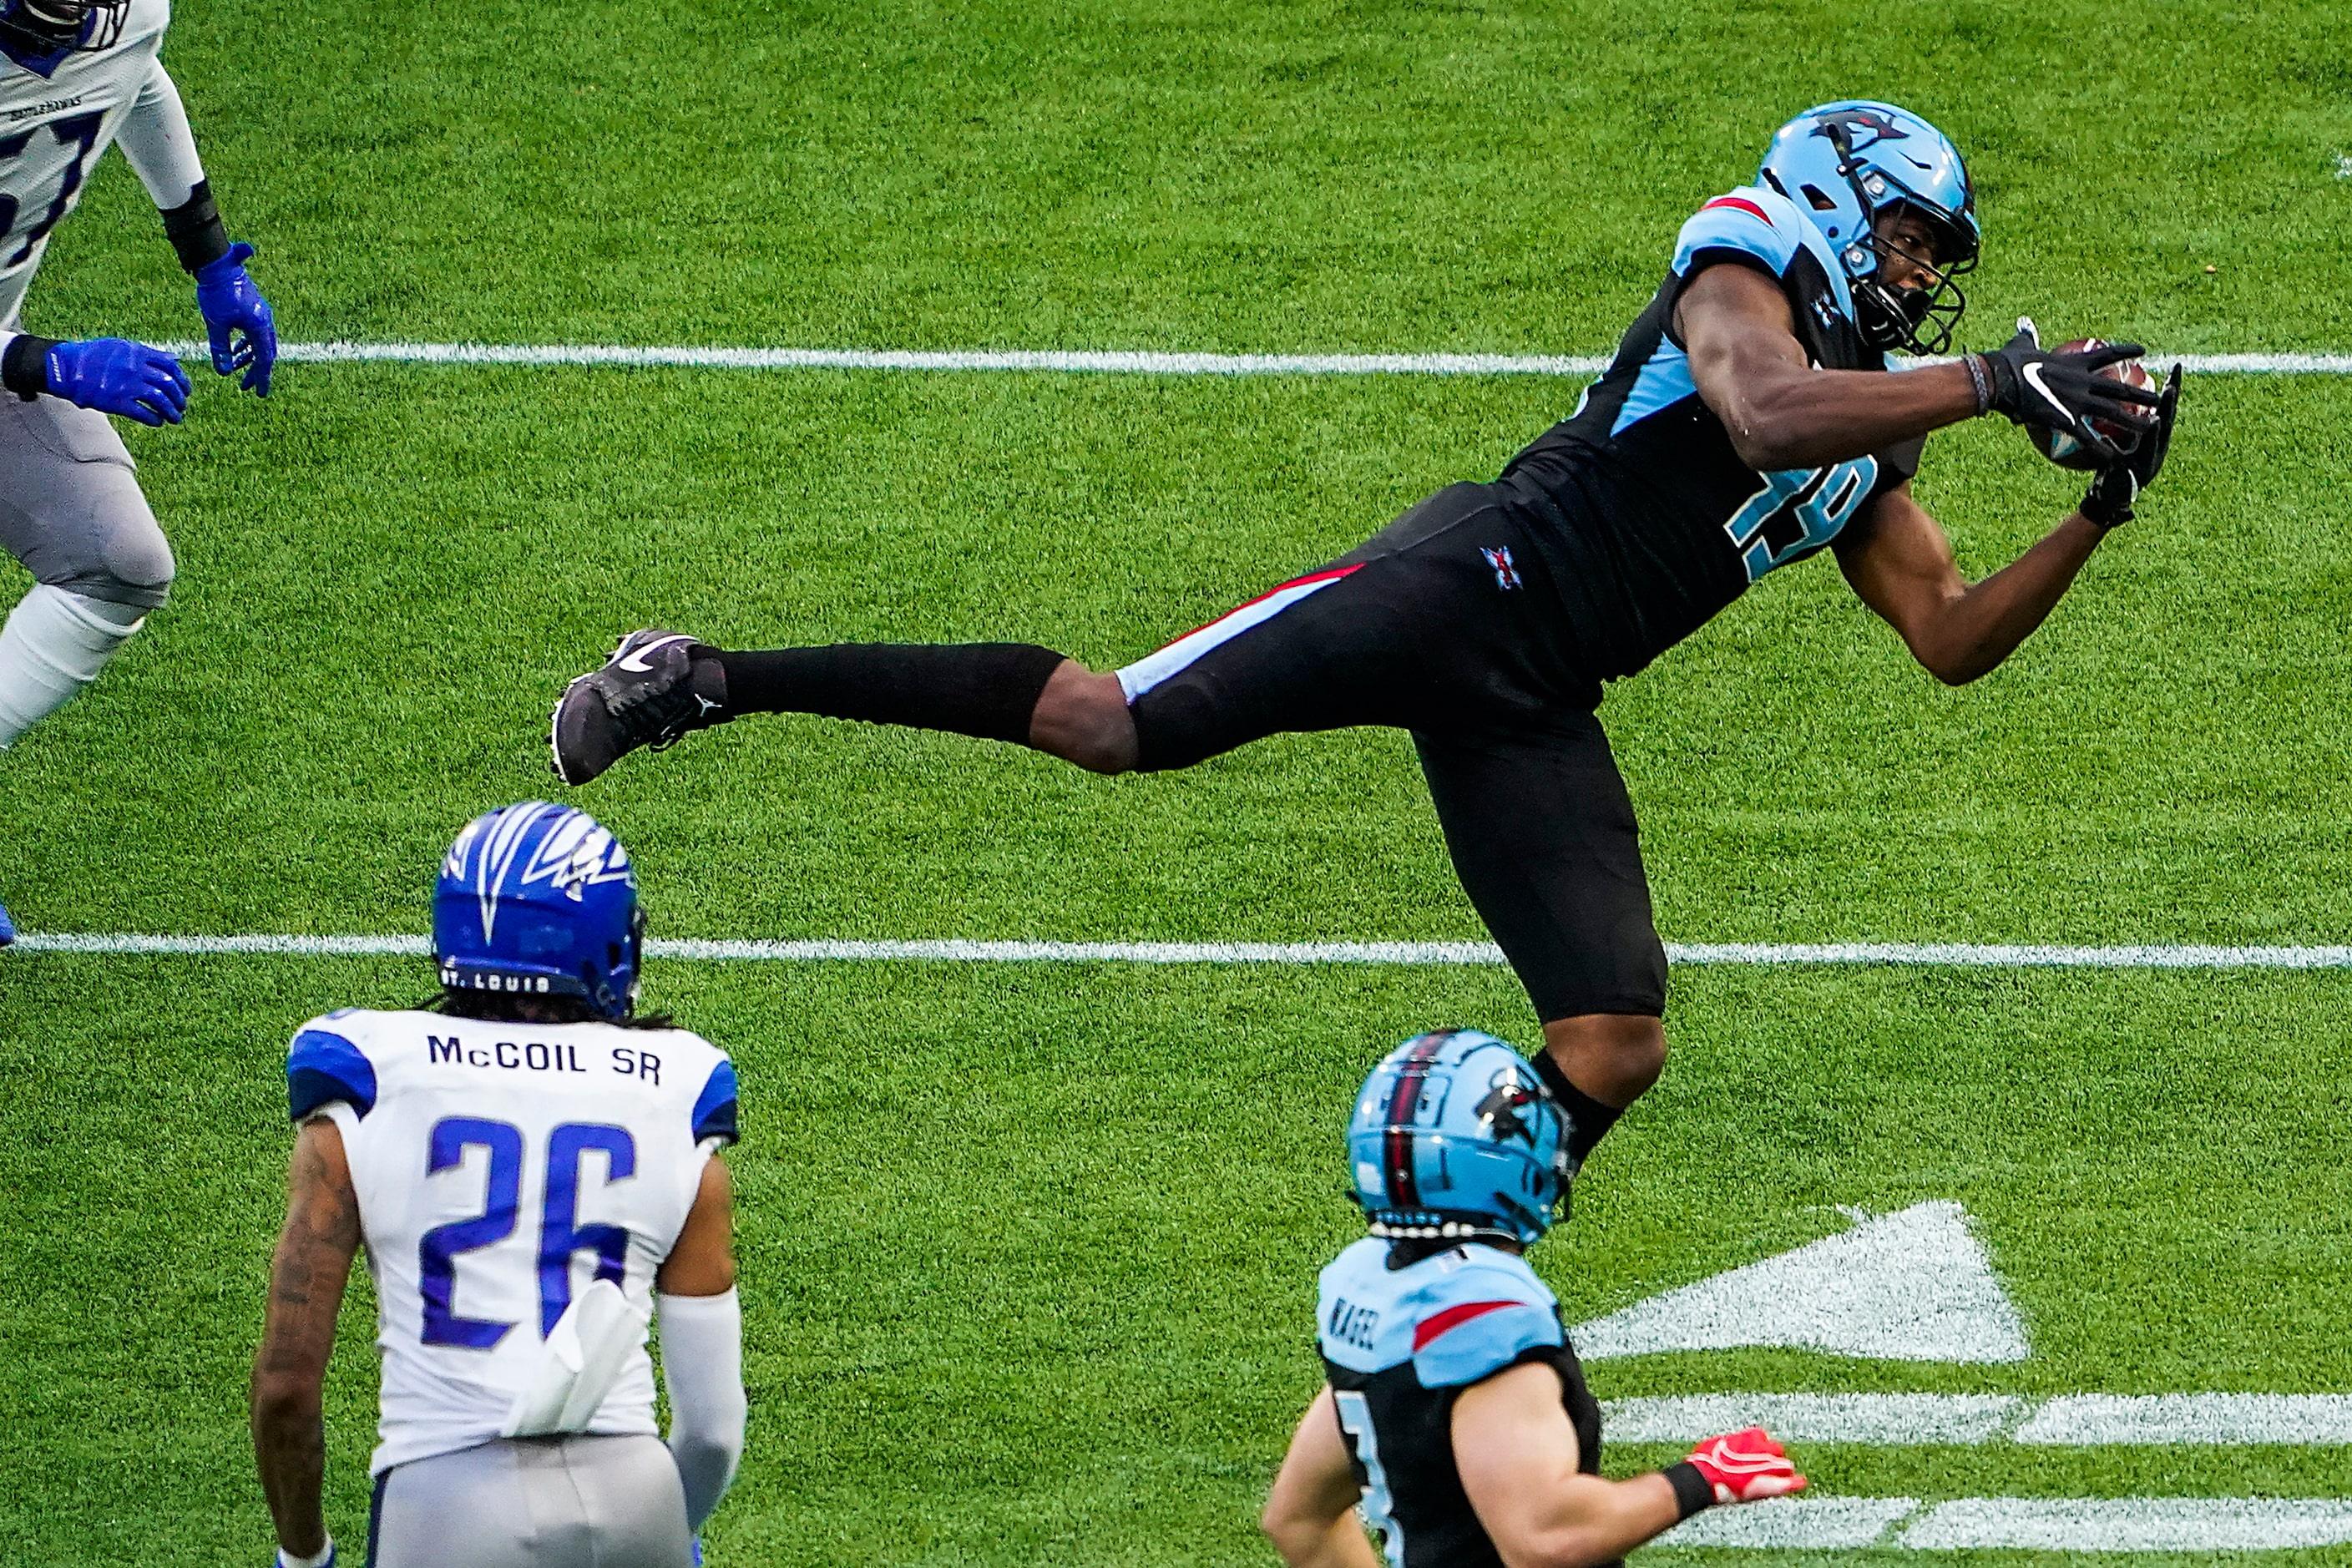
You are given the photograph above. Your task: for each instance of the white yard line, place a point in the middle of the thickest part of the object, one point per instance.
(2050, 1524)
(2192, 1418)
(2079, 1420)
(283, 946)
(2132, 1524)
(1933, 954)
(1117, 362)
(1822, 1523)
(1879, 1420)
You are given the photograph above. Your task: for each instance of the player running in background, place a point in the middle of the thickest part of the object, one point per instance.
(75, 75)
(1751, 419)
(1454, 1420)
(532, 1169)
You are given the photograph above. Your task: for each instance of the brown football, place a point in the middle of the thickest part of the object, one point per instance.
(2064, 449)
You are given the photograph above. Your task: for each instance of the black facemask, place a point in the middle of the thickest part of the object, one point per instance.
(1915, 319)
(1919, 320)
(51, 27)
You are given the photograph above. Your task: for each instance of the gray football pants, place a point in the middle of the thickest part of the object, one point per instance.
(70, 507)
(534, 1502)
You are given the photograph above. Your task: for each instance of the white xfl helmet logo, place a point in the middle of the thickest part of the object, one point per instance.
(576, 857)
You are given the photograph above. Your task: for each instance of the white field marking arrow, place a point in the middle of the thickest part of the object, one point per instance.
(1910, 1286)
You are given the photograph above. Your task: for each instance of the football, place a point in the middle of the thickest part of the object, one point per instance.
(2064, 449)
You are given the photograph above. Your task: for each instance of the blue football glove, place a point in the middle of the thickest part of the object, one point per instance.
(115, 375)
(231, 303)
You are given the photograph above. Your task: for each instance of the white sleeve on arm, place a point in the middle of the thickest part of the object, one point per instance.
(702, 1366)
(156, 139)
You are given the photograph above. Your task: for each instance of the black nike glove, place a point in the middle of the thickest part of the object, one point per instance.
(2109, 502)
(2064, 392)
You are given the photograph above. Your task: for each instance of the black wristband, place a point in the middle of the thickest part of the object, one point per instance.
(195, 230)
(1976, 363)
(25, 365)
(2003, 392)
(1693, 1490)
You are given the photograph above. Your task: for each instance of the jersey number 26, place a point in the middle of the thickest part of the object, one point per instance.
(561, 1235)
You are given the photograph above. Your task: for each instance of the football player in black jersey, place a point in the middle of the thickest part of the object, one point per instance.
(1453, 1419)
(1752, 417)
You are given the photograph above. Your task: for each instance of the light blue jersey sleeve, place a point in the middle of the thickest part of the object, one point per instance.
(1474, 1320)
(1760, 228)
(324, 1065)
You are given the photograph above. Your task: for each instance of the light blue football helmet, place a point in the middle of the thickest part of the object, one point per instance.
(1453, 1135)
(1842, 163)
(539, 901)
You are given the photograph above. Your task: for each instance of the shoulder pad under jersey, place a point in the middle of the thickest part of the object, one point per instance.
(147, 17)
(325, 1064)
(1457, 1317)
(1752, 224)
(1360, 1323)
(1476, 1312)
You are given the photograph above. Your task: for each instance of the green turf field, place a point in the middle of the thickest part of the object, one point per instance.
(1028, 1251)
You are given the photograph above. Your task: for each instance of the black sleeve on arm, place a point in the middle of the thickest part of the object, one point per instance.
(195, 230)
(24, 366)
(1899, 464)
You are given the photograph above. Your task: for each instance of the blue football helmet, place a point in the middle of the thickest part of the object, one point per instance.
(1454, 1135)
(539, 901)
(1842, 164)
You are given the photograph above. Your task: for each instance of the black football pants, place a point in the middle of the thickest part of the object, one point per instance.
(1445, 624)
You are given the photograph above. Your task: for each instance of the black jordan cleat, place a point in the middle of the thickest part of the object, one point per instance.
(650, 693)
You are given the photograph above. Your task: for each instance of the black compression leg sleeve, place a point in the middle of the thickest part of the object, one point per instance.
(1589, 1121)
(986, 689)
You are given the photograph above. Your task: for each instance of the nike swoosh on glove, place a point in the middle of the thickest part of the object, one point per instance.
(232, 304)
(1747, 1466)
(115, 375)
(2066, 392)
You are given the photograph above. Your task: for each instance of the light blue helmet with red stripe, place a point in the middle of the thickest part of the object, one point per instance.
(540, 901)
(1453, 1135)
(1842, 164)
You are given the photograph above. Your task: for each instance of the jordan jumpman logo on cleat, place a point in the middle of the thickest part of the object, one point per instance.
(650, 693)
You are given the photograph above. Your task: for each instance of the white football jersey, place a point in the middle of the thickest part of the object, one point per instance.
(500, 1169)
(53, 131)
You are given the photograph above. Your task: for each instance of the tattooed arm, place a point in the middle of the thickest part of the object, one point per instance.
(306, 1290)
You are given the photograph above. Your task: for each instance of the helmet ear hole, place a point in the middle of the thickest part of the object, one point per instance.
(1819, 197)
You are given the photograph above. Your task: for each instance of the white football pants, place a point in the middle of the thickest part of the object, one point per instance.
(534, 1502)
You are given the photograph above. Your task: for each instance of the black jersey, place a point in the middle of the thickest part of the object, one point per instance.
(1398, 1347)
(1654, 522)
